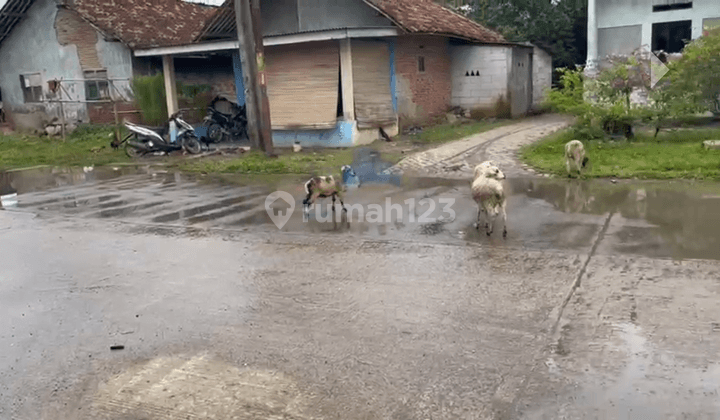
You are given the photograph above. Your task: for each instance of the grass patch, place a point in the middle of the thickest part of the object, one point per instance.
(674, 154)
(329, 161)
(89, 145)
(256, 162)
(86, 146)
(442, 133)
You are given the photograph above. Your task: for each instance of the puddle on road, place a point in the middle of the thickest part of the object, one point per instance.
(650, 218)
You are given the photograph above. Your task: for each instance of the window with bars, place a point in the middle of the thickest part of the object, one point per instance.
(665, 5)
(421, 64)
(96, 85)
(31, 84)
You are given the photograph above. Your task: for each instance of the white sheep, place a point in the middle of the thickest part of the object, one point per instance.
(326, 186)
(489, 194)
(575, 156)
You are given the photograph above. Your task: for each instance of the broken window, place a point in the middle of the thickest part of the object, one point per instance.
(665, 5)
(96, 85)
(671, 36)
(32, 87)
(421, 64)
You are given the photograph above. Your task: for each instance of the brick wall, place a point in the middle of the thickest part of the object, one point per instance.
(422, 95)
(71, 29)
(103, 113)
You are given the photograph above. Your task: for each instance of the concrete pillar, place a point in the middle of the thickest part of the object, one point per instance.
(170, 87)
(592, 37)
(346, 79)
(170, 91)
(646, 35)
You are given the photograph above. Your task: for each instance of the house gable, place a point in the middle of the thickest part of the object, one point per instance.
(285, 17)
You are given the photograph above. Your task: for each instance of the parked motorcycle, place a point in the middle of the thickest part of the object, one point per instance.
(221, 126)
(156, 139)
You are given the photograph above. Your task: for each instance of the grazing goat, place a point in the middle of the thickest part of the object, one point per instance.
(489, 194)
(575, 156)
(326, 186)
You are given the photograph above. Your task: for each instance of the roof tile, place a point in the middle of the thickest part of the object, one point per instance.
(426, 16)
(146, 23)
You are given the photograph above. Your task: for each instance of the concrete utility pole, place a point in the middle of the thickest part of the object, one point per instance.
(252, 58)
(592, 38)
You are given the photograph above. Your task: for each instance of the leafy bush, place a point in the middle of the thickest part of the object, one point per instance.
(696, 77)
(149, 92)
(603, 105)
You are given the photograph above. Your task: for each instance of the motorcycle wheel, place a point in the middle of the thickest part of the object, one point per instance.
(192, 144)
(215, 133)
(131, 151)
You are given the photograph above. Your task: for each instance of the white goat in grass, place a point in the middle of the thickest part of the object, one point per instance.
(575, 156)
(489, 194)
(325, 186)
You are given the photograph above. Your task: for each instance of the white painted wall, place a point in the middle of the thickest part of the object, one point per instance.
(613, 13)
(542, 75)
(482, 91)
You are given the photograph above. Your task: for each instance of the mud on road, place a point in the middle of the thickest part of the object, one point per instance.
(600, 304)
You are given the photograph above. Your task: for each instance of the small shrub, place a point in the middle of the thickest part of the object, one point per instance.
(149, 92)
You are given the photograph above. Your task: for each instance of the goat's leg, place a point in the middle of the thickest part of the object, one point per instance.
(310, 200)
(307, 203)
(342, 204)
(479, 213)
(504, 218)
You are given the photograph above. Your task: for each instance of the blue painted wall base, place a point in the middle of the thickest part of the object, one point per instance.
(340, 136)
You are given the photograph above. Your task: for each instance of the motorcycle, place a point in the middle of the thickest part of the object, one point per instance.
(221, 126)
(155, 139)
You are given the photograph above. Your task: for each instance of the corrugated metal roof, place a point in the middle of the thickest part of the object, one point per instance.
(221, 25)
(11, 14)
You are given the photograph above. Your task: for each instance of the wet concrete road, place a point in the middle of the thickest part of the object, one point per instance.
(602, 303)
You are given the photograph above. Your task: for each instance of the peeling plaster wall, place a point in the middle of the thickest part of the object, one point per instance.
(117, 59)
(33, 47)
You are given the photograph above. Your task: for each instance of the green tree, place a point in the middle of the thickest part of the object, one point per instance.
(558, 26)
(696, 76)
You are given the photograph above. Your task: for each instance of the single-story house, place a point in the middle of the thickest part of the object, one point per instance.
(46, 40)
(337, 69)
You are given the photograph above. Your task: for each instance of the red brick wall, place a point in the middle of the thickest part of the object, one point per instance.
(430, 91)
(103, 113)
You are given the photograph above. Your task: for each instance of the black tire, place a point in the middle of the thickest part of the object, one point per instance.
(131, 151)
(215, 133)
(192, 144)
